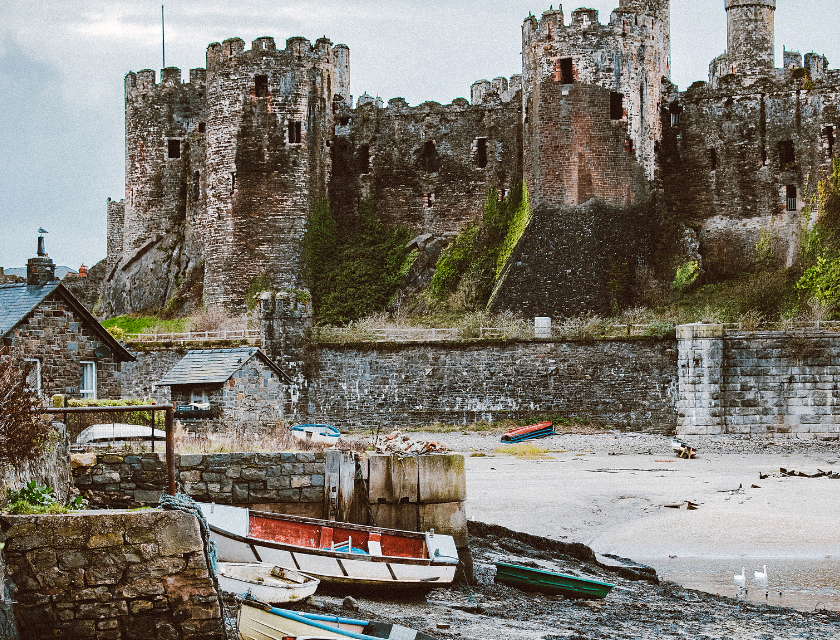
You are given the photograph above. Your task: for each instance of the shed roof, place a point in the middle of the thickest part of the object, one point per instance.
(17, 301)
(214, 366)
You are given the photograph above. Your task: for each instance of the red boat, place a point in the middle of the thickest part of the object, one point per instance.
(539, 430)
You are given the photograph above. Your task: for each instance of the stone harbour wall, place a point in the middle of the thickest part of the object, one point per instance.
(768, 383)
(111, 575)
(627, 384)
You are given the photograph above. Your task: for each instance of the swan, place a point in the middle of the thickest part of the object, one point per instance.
(740, 579)
(761, 576)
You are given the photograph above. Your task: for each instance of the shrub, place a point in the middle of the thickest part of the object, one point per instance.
(685, 277)
(23, 427)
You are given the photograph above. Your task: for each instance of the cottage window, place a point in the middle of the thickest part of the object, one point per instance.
(173, 148)
(33, 378)
(199, 396)
(261, 86)
(791, 197)
(616, 105)
(88, 390)
(294, 132)
(482, 152)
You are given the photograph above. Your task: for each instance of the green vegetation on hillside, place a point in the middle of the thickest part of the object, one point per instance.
(467, 269)
(355, 273)
(145, 324)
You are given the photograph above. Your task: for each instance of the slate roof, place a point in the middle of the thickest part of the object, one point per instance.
(214, 366)
(17, 301)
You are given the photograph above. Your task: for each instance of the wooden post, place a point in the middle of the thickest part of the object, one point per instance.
(339, 484)
(170, 450)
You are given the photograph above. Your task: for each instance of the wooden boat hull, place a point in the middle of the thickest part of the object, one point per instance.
(551, 582)
(305, 545)
(265, 582)
(257, 621)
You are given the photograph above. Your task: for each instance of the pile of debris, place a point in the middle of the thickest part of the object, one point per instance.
(397, 442)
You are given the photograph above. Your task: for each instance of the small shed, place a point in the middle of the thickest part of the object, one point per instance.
(216, 390)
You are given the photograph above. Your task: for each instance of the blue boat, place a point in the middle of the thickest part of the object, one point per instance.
(321, 433)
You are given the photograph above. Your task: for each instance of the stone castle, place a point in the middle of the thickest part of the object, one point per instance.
(222, 171)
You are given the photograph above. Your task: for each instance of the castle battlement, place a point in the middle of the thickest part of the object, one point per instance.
(481, 91)
(145, 79)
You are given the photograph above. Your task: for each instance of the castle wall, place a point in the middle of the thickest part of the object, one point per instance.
(432, 165)
(159, 119)
(116, 226)
(269, 127)
(727, 168)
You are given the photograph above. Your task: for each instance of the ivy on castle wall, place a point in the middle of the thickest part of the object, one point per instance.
(467, 269)
(354, 273)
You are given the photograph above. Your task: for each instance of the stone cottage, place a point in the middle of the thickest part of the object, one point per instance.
(71, 353)
(222, 389)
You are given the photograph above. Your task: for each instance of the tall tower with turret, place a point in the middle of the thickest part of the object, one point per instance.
(750, 34)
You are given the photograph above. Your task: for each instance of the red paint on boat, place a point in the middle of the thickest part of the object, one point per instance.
(316, 536)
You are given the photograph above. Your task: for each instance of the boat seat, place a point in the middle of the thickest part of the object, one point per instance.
(375, 544)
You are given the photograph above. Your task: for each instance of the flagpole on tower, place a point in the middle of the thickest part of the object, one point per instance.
(163, 37)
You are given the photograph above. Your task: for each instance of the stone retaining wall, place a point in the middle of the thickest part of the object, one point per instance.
(767, 383)
(268, 481)
(134, 575)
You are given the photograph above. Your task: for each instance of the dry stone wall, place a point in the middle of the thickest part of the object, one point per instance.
(129, 575)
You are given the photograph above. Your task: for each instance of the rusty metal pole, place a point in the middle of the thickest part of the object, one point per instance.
(170, 449)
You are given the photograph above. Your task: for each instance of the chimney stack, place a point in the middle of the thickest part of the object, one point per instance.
(41, 269)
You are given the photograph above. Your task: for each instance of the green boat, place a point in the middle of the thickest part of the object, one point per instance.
(551, 582)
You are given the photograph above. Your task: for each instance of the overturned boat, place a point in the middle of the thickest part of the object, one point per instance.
(539, 430)
(337, 553)
(532, 579)
(265, 582)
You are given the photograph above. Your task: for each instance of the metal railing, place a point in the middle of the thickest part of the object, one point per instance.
(169, 422)
(195, 336)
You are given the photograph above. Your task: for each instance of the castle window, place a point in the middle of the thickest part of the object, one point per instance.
(481, 147)
(828, 141)
(202, 127)
(791, 197)
(364, 159)
(502, 193)
(428, 200)
(428, 157)
(675, 119)
(196, 185)
(616, 105)
(567, 71)
(294, 132)
(713, 158)
(787, 157)
(173, 148)
(261, 86)
(232, 182)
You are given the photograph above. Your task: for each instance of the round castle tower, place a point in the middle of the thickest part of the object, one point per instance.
(269, 130)
(161, 154)
(750, 39)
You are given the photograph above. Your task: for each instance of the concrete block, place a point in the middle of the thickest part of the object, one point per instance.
(446, 517)
(394, 516)
(442, 479)
(392, 479)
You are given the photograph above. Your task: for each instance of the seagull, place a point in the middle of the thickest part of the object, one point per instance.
(761, 577)
(42, 230)
(740, 579)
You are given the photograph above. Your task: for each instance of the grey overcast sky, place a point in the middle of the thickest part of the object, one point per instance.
(62, 63)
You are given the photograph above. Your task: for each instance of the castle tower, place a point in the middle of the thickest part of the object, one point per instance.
(591, 102)
(269, 129)
(750, 39)
(160, 122)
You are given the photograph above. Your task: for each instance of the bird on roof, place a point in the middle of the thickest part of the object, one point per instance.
(42, 230)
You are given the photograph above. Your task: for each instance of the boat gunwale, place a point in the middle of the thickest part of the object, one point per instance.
(308, 579)
(294, 548)
(401, 533)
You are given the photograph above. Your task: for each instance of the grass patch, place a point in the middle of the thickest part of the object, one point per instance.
(146, 324)
(524, 451)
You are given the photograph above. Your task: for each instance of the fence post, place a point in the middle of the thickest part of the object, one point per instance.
(170, 450)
